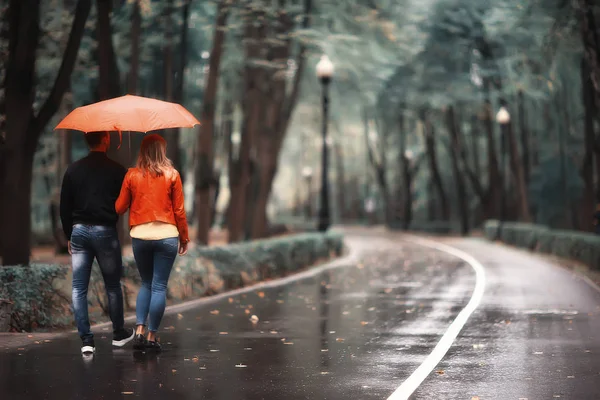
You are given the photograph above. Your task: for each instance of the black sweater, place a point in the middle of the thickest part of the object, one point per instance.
(89, 191)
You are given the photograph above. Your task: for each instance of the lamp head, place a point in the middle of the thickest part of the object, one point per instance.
(503, 116)
(325, 69)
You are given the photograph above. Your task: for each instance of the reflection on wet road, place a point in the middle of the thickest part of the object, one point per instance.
(357, 331)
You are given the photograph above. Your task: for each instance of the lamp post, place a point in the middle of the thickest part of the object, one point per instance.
(307, 173)
(324, 71)
(503, 118)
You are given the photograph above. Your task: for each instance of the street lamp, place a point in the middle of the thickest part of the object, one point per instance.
(324, 71)
(307, 173)
(503, 118)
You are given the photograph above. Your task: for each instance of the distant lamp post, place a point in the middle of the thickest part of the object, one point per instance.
(325, 71)
(503, 118)
(307, 174)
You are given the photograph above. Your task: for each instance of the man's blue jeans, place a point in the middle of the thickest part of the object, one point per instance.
(154, 259)
(101, 242)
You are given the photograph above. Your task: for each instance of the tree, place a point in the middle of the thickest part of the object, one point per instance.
(204, 149)
(23, 125)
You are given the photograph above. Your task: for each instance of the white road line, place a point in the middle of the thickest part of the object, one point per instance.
(407, 388)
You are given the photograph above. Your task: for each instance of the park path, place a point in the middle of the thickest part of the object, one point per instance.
(357, 328)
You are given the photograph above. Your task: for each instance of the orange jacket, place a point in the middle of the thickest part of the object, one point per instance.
(153, 198)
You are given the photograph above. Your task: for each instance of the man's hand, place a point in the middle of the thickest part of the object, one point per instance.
(183, 248)
(69, 247)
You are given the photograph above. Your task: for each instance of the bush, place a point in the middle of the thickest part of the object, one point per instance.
(36, 302)
(209, 270)
(38, 296)
(578, 246)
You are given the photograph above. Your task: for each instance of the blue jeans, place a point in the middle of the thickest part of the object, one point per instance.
(101, 242)
(154, 259)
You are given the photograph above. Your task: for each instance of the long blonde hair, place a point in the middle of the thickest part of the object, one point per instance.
(153, 156)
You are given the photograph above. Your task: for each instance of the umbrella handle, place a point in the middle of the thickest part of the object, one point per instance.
(130, 160)
(120, 138)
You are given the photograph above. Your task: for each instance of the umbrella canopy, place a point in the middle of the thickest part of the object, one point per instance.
(128, 113)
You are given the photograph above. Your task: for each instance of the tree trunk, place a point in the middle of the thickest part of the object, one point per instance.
(517, 167)
(591, 44)
(171, 135)
(23, 128)
(280, 111)
(404, 195)
(134, 60)
(108, 71)
(204, 148)
(429, 133)
(458, 176)
(524, 136)
(341, 180)
(179, 93)
(494, 189)
(475, 126)
(267, 141)
(587, 170)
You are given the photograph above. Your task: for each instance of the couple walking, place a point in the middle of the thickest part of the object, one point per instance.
(95, 190)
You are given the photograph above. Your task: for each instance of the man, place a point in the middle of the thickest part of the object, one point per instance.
(87, 210)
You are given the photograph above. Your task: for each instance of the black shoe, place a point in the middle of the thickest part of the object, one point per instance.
(139, 342)
(153, 345)
(88, 346)
(123, 337)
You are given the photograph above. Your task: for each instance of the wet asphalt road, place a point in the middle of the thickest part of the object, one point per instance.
(357, 331)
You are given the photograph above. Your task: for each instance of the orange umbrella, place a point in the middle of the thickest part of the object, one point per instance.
(128, 113)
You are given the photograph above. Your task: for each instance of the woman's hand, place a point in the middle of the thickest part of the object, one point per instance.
(183, 247)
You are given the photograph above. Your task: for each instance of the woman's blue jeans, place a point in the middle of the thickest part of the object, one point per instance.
(154, 259)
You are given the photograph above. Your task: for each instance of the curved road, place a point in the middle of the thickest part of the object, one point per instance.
(356, 330)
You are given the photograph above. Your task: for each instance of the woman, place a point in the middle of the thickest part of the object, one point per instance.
(153, 194)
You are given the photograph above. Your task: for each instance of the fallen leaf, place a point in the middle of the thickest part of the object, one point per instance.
(475, 398)
(363, 323)
(274, 332)
(127, 393)
(261, 294)
(230, 300)
(223, 333)
(324, 373)
(339, 340)
(29, 336)
(288, 343)
(387, 290)
(215, 312)
(195, 359)
(198, 379)
(254, 319)
(179, 316)
(174, 371)
(440, 372)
